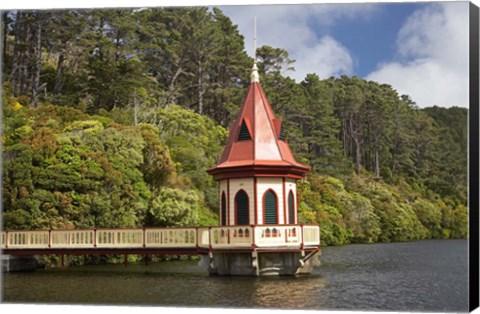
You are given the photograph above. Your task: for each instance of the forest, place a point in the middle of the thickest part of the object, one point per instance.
(111, 118)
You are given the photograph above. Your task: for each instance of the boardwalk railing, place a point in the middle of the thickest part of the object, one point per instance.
(210, 238)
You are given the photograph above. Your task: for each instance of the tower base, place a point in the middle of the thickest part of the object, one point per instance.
(260, 263)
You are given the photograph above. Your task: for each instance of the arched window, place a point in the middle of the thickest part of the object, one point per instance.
(241, 208)
(224, 209)
(270, 207)
(291, 208)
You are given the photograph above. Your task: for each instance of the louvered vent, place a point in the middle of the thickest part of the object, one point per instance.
(281, 136)
(291, 214)
(241, 200)
(270, 208)
(244, 135)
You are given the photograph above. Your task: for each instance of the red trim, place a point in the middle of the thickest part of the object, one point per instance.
(253, 123)
(248, 208)
(295, 208)
(288, 171)
(293, 204)
(255, 199)
(149, 251)
(263, 207)
(285, 219)
(228, 202)
(253, 239)
(196, 238)
(222, 212)
(302, 244)
(210, 238)
(220, 202)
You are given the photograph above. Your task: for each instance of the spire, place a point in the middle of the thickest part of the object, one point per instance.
(254, 78)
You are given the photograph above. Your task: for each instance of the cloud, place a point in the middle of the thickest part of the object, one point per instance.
(327, 58)
(291, 27)
(432, 57)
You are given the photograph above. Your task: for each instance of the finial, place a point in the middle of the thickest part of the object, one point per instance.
(254, 78)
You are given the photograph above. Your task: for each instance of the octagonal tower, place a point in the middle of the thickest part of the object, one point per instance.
(257, 171)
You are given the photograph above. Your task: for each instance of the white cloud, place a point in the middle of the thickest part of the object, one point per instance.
(432, 49)
(291, 27)
(328, 57)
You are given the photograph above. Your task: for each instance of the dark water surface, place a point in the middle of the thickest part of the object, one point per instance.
(416, 276)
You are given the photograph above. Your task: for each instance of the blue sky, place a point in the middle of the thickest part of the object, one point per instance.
(421, 49)
(372, 40)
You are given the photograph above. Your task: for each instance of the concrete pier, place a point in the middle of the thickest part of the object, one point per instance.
(260, 263)
(12, 263)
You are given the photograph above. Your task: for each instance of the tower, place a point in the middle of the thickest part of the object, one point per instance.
(257, 175)
(257, 171)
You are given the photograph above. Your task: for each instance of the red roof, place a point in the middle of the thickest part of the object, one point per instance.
(264, 150)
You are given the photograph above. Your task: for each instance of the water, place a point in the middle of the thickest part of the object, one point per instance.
(416, 276)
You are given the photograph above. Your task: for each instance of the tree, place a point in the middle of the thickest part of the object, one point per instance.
(173, 207)
(322, 130)
(273, 60)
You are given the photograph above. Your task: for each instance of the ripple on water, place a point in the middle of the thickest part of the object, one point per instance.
(415, 276)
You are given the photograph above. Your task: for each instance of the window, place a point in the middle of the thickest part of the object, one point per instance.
(244, 135)
(270, 207)
(241, 208)
(224, 209)
(291, 209)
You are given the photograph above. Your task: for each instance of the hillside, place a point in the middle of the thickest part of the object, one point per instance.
(106, 125)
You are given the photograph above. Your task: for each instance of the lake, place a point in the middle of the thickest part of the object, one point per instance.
(427, 275)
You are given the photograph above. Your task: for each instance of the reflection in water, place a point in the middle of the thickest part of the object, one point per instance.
(416, 276)
(298, 293)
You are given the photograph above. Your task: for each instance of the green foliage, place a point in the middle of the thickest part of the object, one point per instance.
(195, 143)
(366, 211)
(133, 110)
(174, 207)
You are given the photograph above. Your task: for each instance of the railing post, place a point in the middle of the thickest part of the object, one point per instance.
(94, 237)
(50, 238)
(253, 237)
(196, 238)
(303, 230)
(6, 239)
(210, 239)
(144, 237)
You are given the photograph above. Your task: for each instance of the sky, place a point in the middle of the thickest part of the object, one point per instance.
(420, 49)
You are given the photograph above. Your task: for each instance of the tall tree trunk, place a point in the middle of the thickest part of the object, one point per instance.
(377, 156)
(57, 89)
(201, 89)
(172, 97)
(5, 37)
(37, 60)
(135, 104)
(358, 150)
